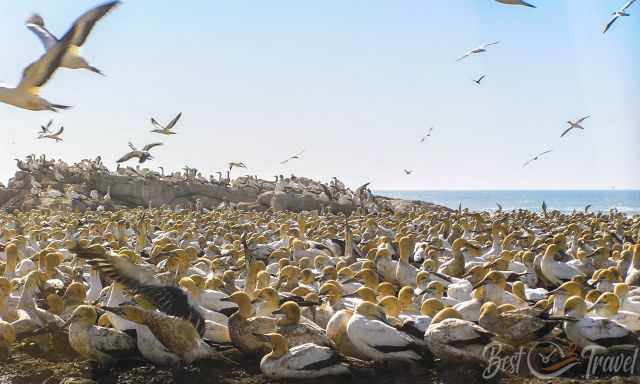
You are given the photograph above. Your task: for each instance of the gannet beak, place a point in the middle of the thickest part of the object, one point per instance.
(278, 312)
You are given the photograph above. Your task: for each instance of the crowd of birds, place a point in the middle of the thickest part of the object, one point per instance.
(310, 294)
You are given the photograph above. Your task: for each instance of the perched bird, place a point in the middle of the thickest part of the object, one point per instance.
(480, 49)
(573, 125)
(408, 171)
(83, 25)
(516, 2)
(428, 134)
(479, 79)
(166, 130)
(306, 361)
(513, 327)
(296, 156)
(53, 136)
(536, 157)
(617, 14)
(142, 155)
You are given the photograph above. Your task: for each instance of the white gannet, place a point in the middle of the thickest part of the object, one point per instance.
(54, 136)
(296, 156)
(478, 81)
(428, 134)
(306, 361)
(84, 24)
(166, 130)
(573, 125)
(480, 49)
(622, 12)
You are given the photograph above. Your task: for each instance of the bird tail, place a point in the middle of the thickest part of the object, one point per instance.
(96, 70)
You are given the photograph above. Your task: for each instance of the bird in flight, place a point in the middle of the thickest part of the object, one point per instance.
(53, 136)
(142, 155)
(573, 125)
(237, 164)
(499, 206)
(44, 129)
(296, 156)
(408, 172)
(479, 79)
(617, 14)
(516, 2)
(84, 24)
(166, 130)
(480, 49)
(428, 134)
(536, 157)
(586, 208)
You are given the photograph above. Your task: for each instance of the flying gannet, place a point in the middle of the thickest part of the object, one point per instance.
(480, 49)
(536, 157)
(617, 14)
(53, 136)
(142, 155)
(296, 156)
(84, 25)
(166, 130)
(573, 125)
(427, 135)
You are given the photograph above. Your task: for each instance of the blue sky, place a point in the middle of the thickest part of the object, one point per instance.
(355, 83)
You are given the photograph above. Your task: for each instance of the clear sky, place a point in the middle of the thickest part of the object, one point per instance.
(355, 83)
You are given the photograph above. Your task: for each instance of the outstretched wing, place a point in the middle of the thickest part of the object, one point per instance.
(609, 24)
(85, 23)
(545, 152)
(171, 300)
(583, 119)
(41, 70)
(174, 121)
(149, 146)
(35, 24)
(489, 44)
(59, 131)
(133, 147)
(129, 156)
(629, 3)
(528, 162)
(566, 131)
(156, 124)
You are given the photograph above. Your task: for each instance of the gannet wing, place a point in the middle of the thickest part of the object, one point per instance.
(582, 119)
(174, 121)
(129, 156)
(36, 25)
(133, 147)
(629, 3)
(156, 124)
(59, 131)
(85, 23)
(566, 131)
(609, 24)
(41, 70)
(149, 146)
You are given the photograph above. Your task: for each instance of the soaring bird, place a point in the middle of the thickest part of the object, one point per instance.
(480, 49)
(53, 136)
(408, 172)
(296, 156)
(586, 208)
(27, 94)
(427, 135)
(44, 129)
(617, 14)
(573, 125)
(479, 79)
(536, 157)
(516, 2)
(166, 130)
(84, 24)
(237, 164)
(142, 155)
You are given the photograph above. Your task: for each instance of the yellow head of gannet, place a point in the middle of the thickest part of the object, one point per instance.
(371, 311)
(103, 321)
(84, 314)
(55, 304)
(291, 312)
(495, 278)
(244, 303)
(366, 294)
(368, 277)
(391, 306)
(75, 293)
(431, 306)
(446, 313)
(331, 292)
(575, 307)
(607, 304)
(385, 288)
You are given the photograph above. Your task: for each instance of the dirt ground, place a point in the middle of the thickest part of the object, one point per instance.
(29, 364)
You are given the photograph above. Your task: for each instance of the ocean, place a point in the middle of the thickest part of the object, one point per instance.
(627, 201)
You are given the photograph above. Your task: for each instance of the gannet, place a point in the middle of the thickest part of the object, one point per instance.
(608, 305)
(237, 164)
(296, 156)
(243, 327)
(622, 12)
(513, 327)
(536, 157)
(306, 361)
(142, 155)
(84, 24)
(428, 134)
(573, 125)
(297, 333)
(556, 272)
(516, 2)
(105, 345)
(482, 48)
(478, 81)
(373, 337)
(598, 333)
(53, 136)
(44, 129)
(166, 130)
